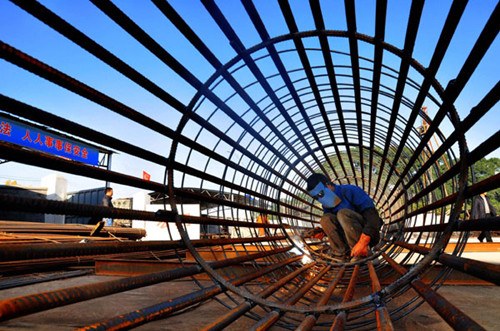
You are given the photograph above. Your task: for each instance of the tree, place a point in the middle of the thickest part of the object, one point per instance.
(486, 168)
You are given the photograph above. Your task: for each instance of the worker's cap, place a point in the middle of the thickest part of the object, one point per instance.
(316, 178)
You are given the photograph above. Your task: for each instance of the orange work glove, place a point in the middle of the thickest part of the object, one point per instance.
(361, 247)
(319, 235)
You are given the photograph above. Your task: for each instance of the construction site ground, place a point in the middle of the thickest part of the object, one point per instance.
(480, 302)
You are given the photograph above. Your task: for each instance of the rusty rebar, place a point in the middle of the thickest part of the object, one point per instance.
(382, 315)
(340, 318)
(483, 270)
(246, 306)
(20, 306)
(452, 315)
(161, 310)
(310, 320)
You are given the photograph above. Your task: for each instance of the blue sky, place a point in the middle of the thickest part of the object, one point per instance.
(24, 32)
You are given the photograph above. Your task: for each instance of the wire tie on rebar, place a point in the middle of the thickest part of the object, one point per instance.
(377, 299)
(219, 284)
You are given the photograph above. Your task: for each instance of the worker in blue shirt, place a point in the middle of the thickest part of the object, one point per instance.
(350, 219)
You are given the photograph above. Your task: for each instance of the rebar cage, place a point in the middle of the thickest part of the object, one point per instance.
(235, 121)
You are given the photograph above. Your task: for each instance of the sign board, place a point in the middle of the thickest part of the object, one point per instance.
(38, 139)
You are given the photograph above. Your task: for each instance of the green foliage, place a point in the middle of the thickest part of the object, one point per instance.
(485, 168)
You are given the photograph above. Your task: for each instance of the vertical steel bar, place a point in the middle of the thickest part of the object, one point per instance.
(452, 91)
(24, 305)
(384, 322)
(340, 319)
(380, 22)
(140, 35)
(272, 317)
(334, 86)
(445, 37)
(299, 46)
(246, 306)
(451, 314)
(411, 34)
(163, 309)
(350, 13)
(237, 45)
(310, 320)
(170, 12)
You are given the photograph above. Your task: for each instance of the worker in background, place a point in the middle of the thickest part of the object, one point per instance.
(106, 202)
(350, 220)
(483, 208)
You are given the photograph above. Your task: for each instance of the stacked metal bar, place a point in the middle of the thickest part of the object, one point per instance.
(297, 95)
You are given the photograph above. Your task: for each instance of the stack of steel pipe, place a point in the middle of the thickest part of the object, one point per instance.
(70, 231)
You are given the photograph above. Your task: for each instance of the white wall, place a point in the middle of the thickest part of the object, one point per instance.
(57, 187)
(162, 230)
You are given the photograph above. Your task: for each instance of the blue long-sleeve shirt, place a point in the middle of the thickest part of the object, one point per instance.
(354, 198)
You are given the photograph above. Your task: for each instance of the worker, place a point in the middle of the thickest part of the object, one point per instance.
(481, 209)
(106, 202)
(350, 220)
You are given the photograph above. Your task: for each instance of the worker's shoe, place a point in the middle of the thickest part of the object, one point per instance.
(97, 228)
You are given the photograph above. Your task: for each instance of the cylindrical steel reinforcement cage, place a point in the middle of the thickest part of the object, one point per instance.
(235, 104)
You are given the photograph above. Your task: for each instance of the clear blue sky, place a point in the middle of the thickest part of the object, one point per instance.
(24, 32)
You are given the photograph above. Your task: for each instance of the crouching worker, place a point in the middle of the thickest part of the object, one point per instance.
(350, 220)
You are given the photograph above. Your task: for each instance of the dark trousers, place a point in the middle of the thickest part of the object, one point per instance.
(485, 234)
(343, 230)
